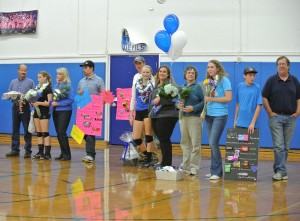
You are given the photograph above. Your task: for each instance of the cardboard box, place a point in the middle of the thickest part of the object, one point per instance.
(165, 175)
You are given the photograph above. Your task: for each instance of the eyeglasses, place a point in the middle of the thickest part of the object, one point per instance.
(190, 72)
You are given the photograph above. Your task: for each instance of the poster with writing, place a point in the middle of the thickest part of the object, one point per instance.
(89, 118)
(21, 22)
(82, 100)
(123, 103)
(77, 134)
(241, 158)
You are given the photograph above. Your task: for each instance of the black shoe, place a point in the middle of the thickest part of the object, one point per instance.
(37, 156)
(145, 165)
(13, 153)
(45, 157)
(27, 154)
(60, 157)
(65, 159)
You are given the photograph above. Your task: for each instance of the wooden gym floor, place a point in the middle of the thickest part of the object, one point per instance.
(106, 190)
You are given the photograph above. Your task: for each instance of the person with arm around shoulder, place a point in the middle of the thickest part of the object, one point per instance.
(217, 114)
(22, 84)
(42, 115)
(191, 123)
(62, 111)
(281, 100)
(249, 101)
(95, 85)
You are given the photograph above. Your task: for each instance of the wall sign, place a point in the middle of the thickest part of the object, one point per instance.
(22, 22)
(129, 46)
(241, 158)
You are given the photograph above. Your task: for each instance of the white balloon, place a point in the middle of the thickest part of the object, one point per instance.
(174, 54)
(178, 42)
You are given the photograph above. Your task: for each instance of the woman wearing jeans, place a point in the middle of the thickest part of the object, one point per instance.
(62, 111)
(216, 114)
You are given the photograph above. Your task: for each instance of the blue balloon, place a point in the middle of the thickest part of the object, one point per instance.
(171, 23)
(163, 40)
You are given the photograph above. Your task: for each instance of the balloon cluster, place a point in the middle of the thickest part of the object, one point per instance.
(170, 40)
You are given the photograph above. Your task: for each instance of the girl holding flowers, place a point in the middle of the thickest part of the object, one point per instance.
(142, 122)
(62, 111)
(41, 115)
(163, 112)
(191, 105)
(218, 94)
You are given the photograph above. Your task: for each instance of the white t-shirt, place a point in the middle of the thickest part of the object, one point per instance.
(136, 77)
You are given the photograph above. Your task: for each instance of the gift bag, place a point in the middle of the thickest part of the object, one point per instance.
(129, 156)
(31, 126)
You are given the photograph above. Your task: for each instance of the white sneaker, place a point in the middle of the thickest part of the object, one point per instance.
(88, 159)
(208, 175)
(214, 177)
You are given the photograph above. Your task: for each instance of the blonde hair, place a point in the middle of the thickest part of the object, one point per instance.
(65, 73)
(48, 77)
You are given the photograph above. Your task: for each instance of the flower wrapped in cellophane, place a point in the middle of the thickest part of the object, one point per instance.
(60, 93)
(14, 95)
(130, 155)
(34, 94)
(184, 92)
(210, 87)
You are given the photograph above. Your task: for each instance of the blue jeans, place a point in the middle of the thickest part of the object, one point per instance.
(17, 118)
(90, 143)
(282, 129)
(61, 121)
(215, 127)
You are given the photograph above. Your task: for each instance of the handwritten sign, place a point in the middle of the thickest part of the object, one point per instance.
(77, 134)
(82, 100)
(89, 118)
(241, 158)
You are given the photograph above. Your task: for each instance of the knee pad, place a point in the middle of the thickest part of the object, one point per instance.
(39, 134)
(148, 138)
(45, 134)
(138, 141)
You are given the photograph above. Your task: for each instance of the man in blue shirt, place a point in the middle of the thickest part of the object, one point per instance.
(95, 85)
(249, 101)
(281, 99)
(22, 84)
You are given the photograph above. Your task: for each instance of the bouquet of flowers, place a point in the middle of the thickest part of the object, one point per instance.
(183, 94)
(34, 94)
(130, 155)
(210, 87)
(168, 91)
(11, 95)
(60, 93)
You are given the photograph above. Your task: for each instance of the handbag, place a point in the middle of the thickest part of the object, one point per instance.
(31, 126)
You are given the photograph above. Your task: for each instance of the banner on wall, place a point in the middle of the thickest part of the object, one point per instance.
(21, 22)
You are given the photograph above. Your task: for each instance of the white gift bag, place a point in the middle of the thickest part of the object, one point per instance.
(31, 126)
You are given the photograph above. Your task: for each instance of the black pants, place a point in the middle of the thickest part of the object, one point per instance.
(17, 118)
(163, 128)
(61, 121)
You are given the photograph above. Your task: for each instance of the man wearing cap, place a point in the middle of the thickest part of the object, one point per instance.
(248, 102)
(281, 99)
(95, 85)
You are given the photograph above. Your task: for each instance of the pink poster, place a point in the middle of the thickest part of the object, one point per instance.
(89, 118)
(123, 103)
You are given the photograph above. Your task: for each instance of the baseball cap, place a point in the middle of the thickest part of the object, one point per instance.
(139, 59)
(87, 63)
(250, 70)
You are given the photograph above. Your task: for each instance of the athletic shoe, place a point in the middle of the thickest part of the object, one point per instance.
(88, 159)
